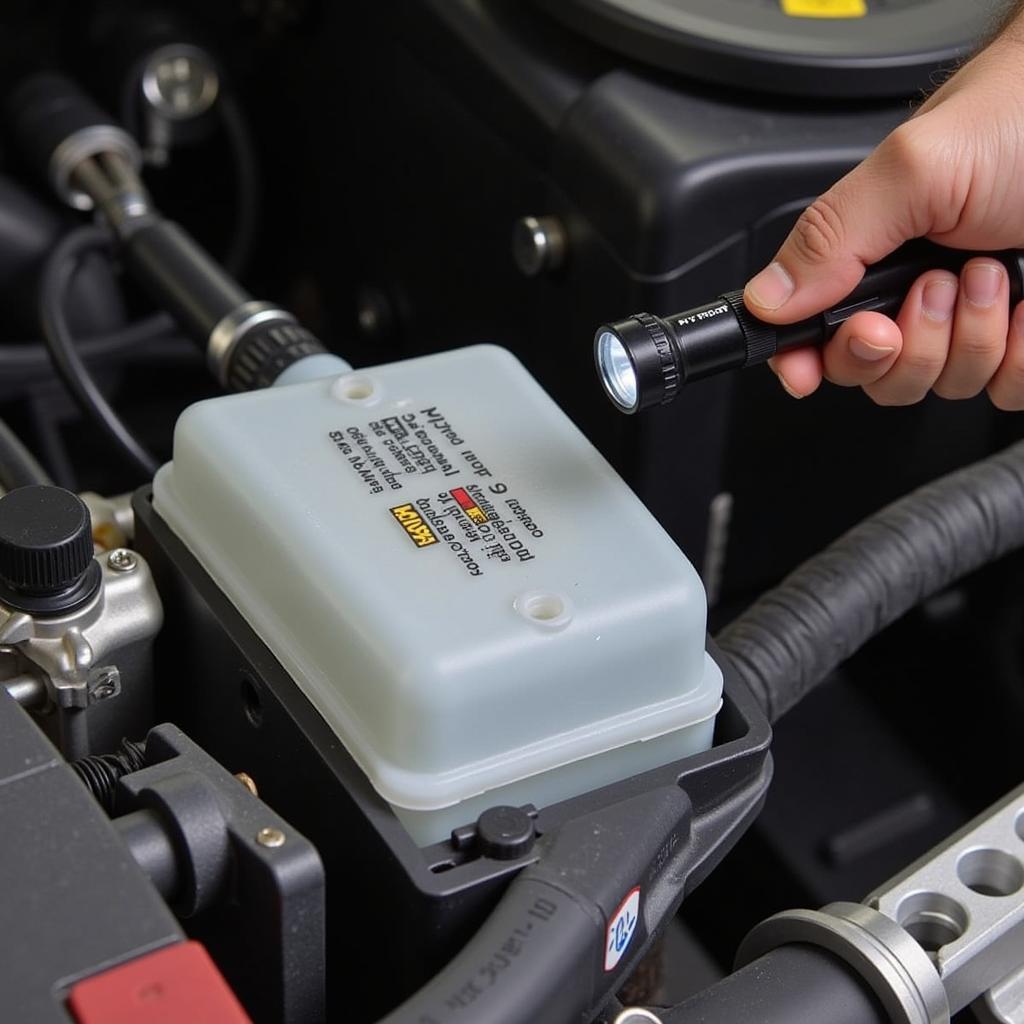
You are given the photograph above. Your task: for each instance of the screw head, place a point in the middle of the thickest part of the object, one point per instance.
(122, 560)
(180, 82)
(103, 682)
(270, 837)
(637, 1015)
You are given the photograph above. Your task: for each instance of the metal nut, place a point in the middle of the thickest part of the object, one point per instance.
(270, 837)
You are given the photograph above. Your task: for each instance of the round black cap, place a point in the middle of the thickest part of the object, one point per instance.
(504, 833)
(46, 562)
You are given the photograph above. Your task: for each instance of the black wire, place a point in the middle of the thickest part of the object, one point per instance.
(33, 356)
(18, 466)
(247, 184)
(67, 361)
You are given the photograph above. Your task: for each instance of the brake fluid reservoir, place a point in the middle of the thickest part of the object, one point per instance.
(479, 607)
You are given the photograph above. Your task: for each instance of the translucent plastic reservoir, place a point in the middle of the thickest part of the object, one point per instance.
(475, 602)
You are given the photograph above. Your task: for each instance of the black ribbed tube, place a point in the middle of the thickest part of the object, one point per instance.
(790, 985)
(793, 637)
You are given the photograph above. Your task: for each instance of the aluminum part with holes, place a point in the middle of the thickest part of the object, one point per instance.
(1003, 1004)
(966, 902)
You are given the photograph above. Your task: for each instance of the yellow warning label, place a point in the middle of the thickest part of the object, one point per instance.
(420, 534)
(824, 8)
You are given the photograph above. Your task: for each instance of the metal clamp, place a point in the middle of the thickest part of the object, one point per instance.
(947, 931)
(229, 332)
(93, 141)
(895, 967)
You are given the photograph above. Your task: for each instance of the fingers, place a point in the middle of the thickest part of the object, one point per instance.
(799, 371)
(1006, 389)
(880, 204)
(979, 332)
(952, 335)
(862, 350)
(925, 323)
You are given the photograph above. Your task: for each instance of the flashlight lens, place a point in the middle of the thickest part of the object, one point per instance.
(617, 371)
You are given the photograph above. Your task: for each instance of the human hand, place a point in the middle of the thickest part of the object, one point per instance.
(953, 173)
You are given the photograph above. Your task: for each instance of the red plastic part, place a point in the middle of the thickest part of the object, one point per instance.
(176, 985)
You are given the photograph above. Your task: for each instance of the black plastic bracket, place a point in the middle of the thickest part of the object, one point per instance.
(251, 885)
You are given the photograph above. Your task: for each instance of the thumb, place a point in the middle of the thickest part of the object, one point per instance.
(860, 220)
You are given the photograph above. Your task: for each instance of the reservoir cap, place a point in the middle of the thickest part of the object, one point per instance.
(46, 552)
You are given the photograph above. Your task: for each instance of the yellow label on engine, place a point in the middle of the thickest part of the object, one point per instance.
(825, 8)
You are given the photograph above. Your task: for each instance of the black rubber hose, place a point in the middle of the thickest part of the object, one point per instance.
(66, 359)
(795, 984)
(18, 466)
(793, 637)
(538, 982)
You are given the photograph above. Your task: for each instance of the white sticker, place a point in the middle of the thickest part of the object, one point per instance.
(621, 928)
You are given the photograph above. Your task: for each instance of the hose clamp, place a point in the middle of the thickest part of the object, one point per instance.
(81, 145)
(883, 954)
(230, 330)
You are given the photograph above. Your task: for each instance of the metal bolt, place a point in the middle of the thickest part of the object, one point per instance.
(103, 682)
(180, 82)
(247, 780)
(122, 560)
(270, 837)
(538, 244)
(637, 1015)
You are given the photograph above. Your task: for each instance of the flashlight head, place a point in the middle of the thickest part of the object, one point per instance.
(638, 362)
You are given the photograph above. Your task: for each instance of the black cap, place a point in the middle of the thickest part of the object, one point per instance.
(505, 833)
(46, 553)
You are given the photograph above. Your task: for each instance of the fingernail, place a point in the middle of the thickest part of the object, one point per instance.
(982, 283)
(863, 349)
(938, 300)
(789, 391)
(772, 287)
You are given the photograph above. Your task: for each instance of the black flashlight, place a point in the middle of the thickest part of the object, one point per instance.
(644, 360)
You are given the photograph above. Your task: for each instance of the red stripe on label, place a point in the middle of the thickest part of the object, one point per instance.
(462, 497)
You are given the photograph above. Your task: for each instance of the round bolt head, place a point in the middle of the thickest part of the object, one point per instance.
(637, 1015)
(122, 560)
(270, 837)
(538, 244)
(180, 82)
